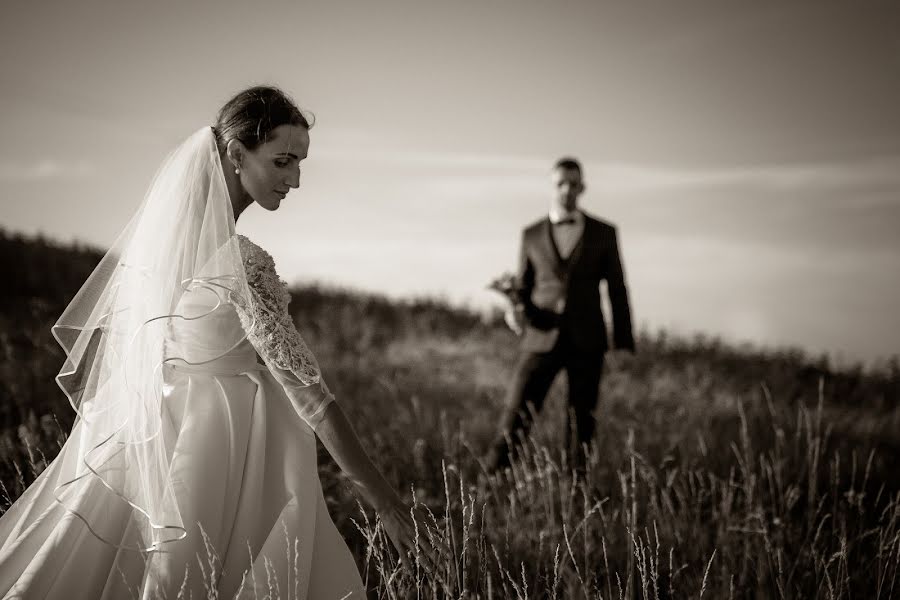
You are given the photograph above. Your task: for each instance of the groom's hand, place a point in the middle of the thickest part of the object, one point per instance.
(515, 318)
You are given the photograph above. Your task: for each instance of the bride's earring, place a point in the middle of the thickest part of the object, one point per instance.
(237, 171)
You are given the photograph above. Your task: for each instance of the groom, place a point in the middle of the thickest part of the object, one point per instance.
(562, 260)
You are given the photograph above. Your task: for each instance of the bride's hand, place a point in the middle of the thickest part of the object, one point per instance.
(398, 524)
(340, 440)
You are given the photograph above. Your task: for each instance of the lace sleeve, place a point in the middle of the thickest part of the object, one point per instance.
(271, 331)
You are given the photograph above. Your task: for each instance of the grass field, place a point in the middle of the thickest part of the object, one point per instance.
(717, 472)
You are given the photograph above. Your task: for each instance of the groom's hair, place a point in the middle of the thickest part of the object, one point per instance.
(569, 164)
(251, 115)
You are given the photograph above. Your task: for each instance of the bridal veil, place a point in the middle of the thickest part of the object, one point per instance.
(181, 240)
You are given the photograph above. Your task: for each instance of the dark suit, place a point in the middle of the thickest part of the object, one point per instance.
(564, 325)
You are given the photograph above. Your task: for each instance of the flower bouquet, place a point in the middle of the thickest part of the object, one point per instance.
(508, 285)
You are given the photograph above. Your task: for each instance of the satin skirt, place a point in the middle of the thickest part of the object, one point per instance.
(245, 476)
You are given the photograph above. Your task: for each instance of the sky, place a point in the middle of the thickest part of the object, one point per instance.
(749, 153)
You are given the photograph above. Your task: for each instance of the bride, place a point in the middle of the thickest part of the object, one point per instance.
(191, 468)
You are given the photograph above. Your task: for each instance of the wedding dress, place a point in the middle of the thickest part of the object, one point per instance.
(191, 468)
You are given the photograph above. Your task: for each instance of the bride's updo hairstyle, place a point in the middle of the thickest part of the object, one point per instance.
(252, 114)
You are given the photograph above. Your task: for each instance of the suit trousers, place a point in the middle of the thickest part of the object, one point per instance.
(531, 381)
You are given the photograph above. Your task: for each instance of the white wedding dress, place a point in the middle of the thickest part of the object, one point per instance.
(241, 468)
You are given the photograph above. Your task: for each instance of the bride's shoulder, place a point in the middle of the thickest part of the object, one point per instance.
(259, 267)
(254, 256)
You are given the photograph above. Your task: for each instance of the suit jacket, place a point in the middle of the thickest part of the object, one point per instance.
(564, 294)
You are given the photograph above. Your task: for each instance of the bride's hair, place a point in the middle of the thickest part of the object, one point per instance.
(251, 115)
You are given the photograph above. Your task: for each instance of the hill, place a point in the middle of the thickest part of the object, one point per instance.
(758, 473)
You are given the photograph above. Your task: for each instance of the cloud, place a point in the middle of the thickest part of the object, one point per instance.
(44, 170)
(619, 177)
(430, 159)
(510, 174)
(476, 188)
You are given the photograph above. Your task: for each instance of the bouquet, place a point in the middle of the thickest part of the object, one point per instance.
(508, 285)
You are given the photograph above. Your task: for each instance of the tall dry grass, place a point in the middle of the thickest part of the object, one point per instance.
(716, 472)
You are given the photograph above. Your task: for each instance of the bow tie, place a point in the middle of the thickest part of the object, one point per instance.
(566, 221)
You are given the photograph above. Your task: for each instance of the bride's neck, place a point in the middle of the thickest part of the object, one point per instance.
(240, 199)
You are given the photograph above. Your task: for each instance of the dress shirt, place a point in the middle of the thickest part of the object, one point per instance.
(566, 235)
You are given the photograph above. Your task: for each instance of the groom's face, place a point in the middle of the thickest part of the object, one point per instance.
(567, 187)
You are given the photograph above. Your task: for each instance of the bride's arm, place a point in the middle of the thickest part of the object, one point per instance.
(342, 443)
(332, 427)
(270, 329)
(328, 420)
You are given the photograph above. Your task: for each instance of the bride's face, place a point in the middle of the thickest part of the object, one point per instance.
(273, 168)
